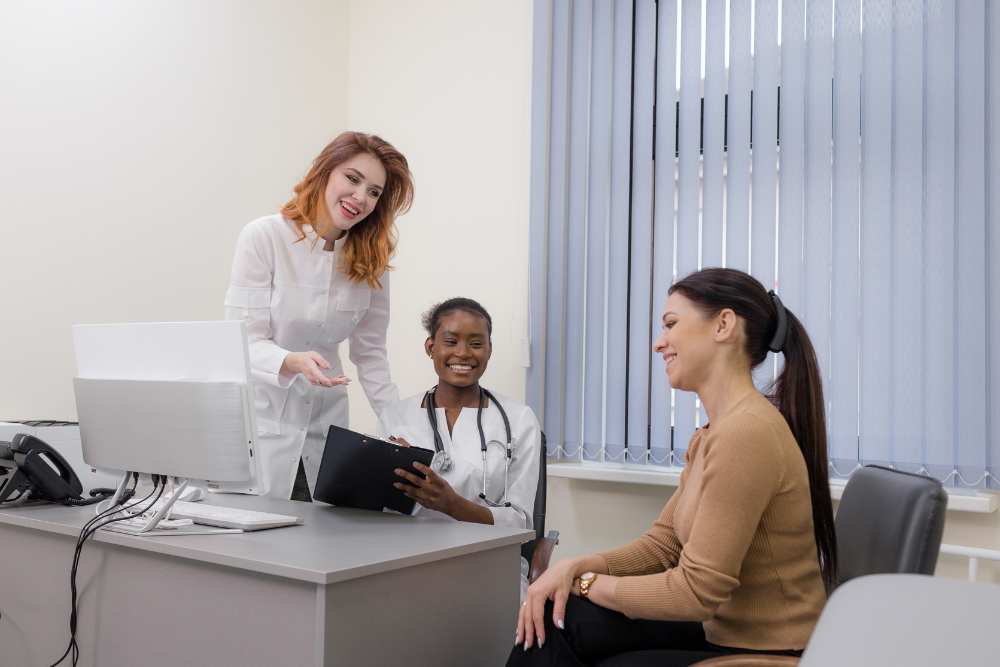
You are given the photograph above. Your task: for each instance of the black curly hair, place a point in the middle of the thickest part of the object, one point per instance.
(432, 318)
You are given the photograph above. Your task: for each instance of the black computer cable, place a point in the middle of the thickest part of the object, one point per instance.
(90, 529)
(76, 555)
(98, 495)
(86, 532)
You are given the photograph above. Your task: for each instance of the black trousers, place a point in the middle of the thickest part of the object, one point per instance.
(300, 489)
(599, 637)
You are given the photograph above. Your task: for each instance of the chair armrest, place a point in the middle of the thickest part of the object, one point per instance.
(542, 556)
(749, 660)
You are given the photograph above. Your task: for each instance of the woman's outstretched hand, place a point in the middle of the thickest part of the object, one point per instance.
(311, 364)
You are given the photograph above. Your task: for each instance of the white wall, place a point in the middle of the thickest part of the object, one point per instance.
(136, 140)
(446, 82)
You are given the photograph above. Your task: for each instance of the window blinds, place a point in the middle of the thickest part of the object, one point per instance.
(844, 153)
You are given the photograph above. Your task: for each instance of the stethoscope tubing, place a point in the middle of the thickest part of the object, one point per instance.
(509, 449)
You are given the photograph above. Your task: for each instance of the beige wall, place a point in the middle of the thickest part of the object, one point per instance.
(446, 81)
(136, 140)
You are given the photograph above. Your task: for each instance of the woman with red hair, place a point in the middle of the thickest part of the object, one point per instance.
(304, 281)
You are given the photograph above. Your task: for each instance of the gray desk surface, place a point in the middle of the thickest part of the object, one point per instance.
(907, 619)
(334, 544)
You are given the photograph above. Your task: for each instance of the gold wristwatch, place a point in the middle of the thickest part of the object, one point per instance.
(586, 579)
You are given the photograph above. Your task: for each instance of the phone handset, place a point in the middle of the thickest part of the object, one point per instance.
(35, 468)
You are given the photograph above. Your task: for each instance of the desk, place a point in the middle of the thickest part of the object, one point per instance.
(907, 619)
(348, 587)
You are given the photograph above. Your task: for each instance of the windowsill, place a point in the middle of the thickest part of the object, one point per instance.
(982, 502)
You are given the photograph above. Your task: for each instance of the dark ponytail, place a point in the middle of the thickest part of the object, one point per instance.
(797, 392)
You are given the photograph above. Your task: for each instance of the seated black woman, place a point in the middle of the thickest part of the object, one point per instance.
(471, 478)
(740, 558)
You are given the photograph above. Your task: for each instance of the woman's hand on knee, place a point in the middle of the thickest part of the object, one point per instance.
(555, 584)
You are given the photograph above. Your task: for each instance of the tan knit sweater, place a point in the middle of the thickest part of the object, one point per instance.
(734, 547)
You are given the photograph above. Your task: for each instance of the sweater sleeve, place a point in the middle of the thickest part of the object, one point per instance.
(659, 548)
(656, 551)
(741, 474)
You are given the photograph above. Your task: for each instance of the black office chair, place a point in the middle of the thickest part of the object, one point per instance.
(538, 552)
(888, 522)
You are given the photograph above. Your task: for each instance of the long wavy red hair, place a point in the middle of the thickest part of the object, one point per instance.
(371, 243)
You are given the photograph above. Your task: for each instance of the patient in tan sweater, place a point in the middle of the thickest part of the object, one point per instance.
(739, 560)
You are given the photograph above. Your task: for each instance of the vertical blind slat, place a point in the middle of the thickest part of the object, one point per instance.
(792, 136)
(598, 188)
(876, 186)
(663, 222)
(970, 273)
(618, 240)
(817, 227)
(556, 233)
(537, 202)
(907, 242)
(640, 261)
(843, 383)
(576, 228)
(763, 222)
(714, 136)
(738, 155)
(993, 233)
(765, 142)
(939, 212)
(688, 177)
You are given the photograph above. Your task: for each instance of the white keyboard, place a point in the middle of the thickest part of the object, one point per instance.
(227, 517)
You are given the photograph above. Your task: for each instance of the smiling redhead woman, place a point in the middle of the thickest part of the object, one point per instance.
(741, 556)
(304, 281)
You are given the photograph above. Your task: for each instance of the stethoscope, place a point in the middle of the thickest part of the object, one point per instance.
(442, 462)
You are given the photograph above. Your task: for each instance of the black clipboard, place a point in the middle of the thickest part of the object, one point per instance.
(359, 471)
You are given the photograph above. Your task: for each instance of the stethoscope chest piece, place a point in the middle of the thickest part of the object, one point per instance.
(441, 462)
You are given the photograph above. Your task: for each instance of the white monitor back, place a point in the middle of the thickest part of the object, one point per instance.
(169, 359)
(212, 351)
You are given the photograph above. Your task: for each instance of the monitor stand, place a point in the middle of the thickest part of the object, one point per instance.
(152, 529)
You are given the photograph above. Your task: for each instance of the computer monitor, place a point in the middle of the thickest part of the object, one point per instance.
(172, 398)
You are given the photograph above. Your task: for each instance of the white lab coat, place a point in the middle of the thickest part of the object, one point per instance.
(294, 298)
(407, 420)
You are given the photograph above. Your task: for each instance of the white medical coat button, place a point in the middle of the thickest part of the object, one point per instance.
(307, 458)
(302, 428)
(319, 326)
(307, 402)
(323, 293)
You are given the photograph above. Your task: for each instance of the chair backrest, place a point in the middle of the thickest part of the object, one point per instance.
(540, 492)
(889, 521)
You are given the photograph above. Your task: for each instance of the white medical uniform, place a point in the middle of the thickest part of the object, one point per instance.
(294, 298)
(407, 420)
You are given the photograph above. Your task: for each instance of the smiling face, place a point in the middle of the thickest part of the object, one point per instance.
(460, 349)
(693, 345)
(352, 191)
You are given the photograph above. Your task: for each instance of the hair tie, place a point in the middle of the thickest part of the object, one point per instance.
(778, 341)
